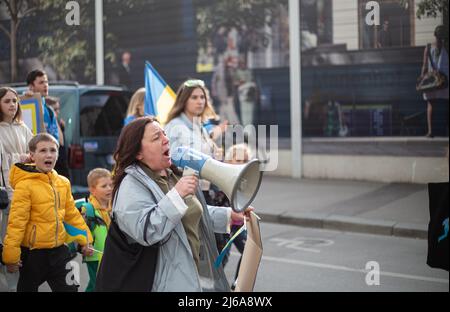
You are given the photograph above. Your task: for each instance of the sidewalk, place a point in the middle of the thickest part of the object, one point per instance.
(349, 206)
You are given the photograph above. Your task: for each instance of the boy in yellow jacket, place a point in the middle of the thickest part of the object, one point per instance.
(41, 202)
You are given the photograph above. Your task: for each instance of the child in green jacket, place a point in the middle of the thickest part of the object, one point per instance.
(97, 214)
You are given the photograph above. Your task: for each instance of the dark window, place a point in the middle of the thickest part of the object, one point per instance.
(102, 113)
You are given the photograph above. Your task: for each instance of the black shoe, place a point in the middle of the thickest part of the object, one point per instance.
(429, 135)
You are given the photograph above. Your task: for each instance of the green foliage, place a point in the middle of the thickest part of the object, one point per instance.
(241, 14)
(70, 50)
(432, 8)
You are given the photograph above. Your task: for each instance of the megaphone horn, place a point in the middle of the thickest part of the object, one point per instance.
(239, 182)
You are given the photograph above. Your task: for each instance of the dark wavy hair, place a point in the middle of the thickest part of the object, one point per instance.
(128, 147)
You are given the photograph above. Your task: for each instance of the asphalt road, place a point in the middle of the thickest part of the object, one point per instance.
(299, 259)
(311, 260)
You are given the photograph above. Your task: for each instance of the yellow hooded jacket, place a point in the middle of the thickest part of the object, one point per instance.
(40, 204)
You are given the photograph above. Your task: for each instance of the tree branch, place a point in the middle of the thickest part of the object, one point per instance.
(5, 31)
(19, 6)
(8, 4)
(27, 12)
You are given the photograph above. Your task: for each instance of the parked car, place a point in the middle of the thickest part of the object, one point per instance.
(94, 118)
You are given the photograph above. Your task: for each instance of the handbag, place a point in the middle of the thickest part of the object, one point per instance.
(126, 266)
(4, 199)
(432, 80)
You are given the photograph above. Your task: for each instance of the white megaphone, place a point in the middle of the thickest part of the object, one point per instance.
(239, 182)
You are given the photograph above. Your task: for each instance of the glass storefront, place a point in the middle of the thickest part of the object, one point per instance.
(358, 79)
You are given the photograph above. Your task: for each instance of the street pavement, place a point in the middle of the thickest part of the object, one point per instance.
(397, 209)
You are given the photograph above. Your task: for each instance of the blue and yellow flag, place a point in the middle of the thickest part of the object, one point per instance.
(159, 97)
(74, 233)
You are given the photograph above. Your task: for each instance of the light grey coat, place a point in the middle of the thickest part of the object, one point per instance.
(138, 196)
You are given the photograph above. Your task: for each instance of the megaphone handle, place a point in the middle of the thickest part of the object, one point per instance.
(189, 172)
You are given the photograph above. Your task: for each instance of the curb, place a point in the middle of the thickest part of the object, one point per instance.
(349, 224)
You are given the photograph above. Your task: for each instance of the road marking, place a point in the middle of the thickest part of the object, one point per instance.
(292, 244)
(296, 242)
(348, 269)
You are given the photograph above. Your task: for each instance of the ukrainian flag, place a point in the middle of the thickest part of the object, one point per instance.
(159, 97)
(74, 233)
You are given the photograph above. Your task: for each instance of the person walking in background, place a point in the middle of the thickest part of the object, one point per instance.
(35, 237)
(136, 106)
(219, 43)
(435, 58)
(14, 138)
(62, 166)
(124, 71)
(247, 92)
(222, 90)
(37, 82)
(384, 36)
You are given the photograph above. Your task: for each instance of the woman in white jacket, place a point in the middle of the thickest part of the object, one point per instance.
(14, 138)
(185, 123)
(185, 127)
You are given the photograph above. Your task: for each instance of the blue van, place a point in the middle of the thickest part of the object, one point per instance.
(94, 118)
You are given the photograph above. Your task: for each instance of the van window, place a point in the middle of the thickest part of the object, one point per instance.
(102, 113)
(68, 99)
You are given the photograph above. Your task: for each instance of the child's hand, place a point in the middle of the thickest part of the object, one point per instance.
(87, 250)
(13, 268)
(25, 158)
(28, 93)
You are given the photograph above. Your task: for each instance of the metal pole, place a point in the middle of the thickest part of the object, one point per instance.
(99, 54)
(295, 86)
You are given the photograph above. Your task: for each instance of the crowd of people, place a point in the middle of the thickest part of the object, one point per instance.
(146, 203)
(161, 223)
